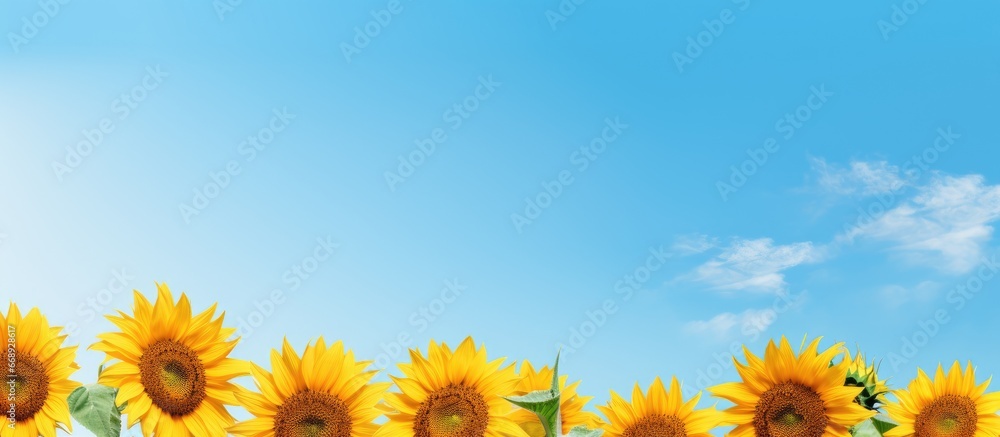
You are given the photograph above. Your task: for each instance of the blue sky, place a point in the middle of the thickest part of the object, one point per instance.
(643, 185)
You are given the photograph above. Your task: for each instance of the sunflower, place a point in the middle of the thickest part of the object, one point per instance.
(659, 413)
(173, 369)
(948, 406)
(451, 394)
(36, 370)
(325, 393)
(570, 405)
(862, 374)
(860, 367)
(785, 395)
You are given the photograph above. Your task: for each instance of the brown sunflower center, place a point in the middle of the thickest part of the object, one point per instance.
(173, 377)
(455, 410)
(948, 416)
(656, 426)
(30, 386)
(790, 410)
(313, 414)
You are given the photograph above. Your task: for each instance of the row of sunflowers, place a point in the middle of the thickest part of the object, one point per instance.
(171, 373)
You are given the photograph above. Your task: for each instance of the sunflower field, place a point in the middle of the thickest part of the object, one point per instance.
(169, 370)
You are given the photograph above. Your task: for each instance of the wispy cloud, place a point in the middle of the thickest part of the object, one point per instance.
(754, 265)
(693, 244)
(724, 325)
(896, 295)
(946, 224)
(860, 178)
(941, 221)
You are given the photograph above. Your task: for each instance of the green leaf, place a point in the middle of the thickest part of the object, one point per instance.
(555, 373)
(94, 407)
(545, 404)
(865, 429)
(876, 427)
(583, 431)
(883, 424)
(534, 399)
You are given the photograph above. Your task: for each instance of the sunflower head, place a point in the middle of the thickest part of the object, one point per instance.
(951, 405)
(173, 367)
(659, 413)
(789, 394)
(324, 392)
(451, 394)
(865, 375)
(36, 370)
(570, 405)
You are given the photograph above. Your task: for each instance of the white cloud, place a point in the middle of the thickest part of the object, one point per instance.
(895, 295)
(862, 178)
(945, 225)
(945, 222)
(754, 265)
(722, 326)
(693, 244)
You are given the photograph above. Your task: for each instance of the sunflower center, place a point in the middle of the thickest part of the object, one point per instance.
(455, 410)
(948, 416)
(790, 410)
(313, 414)
(173, 377)
(31, 386)
(656, 426)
